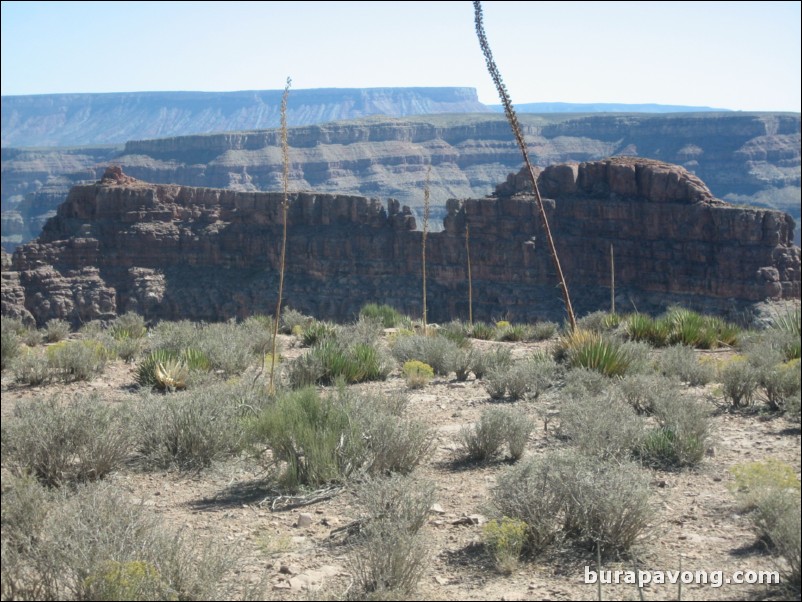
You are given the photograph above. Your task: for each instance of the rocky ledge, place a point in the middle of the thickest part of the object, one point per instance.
(173, 252)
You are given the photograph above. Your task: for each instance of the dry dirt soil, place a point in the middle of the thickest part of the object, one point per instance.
(696, 521)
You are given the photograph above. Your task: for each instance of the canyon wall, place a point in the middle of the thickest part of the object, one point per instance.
(172, 252)
(755, 156)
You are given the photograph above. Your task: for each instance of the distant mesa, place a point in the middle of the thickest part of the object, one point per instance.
(178, 252)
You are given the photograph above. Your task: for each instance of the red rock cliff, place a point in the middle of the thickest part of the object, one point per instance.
(174, 252)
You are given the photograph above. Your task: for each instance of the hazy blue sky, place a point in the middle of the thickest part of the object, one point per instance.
(738, 55)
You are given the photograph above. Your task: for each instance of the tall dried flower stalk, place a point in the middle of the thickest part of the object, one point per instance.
(285, 204)
(426, 186)
(512, 118)
(470, 282)
(612, 279)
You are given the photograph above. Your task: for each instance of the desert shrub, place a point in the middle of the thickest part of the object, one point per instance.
(175, 336)
(313, 437)
(191, 430)
(460, 361)
(306, 370)
(514, 332)
(780, 383)
(31, 337)
(128, 326)
(739, 381)
(291, 318)
(777, 521)
(587, 349)
(9, 339)
(388, 316)
(602, 427)
(393, 444)
(56, 330)
(456, 331)
(770, 492)
(364, 331)
(31, 368)
(599, 321)
(418, 374)
(228, 347)
(753, 482)
(505, 539)
(792, 407)
(354, 364)
(258, 329)
(582, 382)
(605, 504)
(644, 392)
(682, 435)
(96, 545)
(390, 553)
(528, 492)
(496, 426)
(77, 360)
(497, 359)
(542, 331)
(680, 361)
(59, 443)
(433, 350)
(526, 378)
(483, 331)
(316, 332)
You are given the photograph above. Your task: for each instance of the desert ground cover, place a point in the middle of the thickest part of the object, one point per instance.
(484, 461)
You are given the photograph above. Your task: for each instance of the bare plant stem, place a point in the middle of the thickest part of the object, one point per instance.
(285, 177)
(512, 118)
(470, 281)
(612, 279)
(425, 233)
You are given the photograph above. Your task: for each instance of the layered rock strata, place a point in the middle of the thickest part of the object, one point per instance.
(173, 252)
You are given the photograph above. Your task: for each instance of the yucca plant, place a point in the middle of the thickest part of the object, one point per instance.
(594, 351)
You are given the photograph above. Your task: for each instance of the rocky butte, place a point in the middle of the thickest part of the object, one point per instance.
(173, 252)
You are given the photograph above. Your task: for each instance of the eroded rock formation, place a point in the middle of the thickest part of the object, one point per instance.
(174, 252)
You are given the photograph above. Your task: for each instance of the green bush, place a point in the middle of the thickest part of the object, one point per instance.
(388, 316)
(60, 443)
(95, 544)
(390, 553)
(191, 430)
(456, 331)
(418, 374)
(680, 361)
(56, 330)
(602, 427)
(313, 437)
